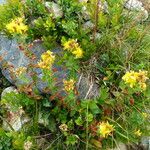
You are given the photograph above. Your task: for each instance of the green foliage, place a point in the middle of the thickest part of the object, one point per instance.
(5, 141)
(114, 44)
(34, 9)
(17, 100)
(8, 11)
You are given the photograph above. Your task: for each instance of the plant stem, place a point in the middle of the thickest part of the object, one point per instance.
(87, 128)
(54, 142)
(96, 19)
(36, 117)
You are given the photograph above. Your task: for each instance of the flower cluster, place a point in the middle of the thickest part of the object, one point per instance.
(19, 71)
(27, 145)
(133, 78)
(47, 59)
(17, 26)
(138, 133)
(74, 48)
(63, 127)
(105, 129)
(145, 115)
(69, 85)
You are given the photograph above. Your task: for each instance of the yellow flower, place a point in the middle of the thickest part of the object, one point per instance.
(105, 78)
(47, 59)
(21, 28)
(20, 71)
(145, 115)
(142, 76)
(17, 26)
(105, 129)
(63, 127)
(78, 52)
(11, 27)
(74, 48)
(18, 20)
(69, 85)
(138, 133)
(28, 145)
(136, 78)
(70, 45)
(43, 65)
(143, 86)
(130, 78)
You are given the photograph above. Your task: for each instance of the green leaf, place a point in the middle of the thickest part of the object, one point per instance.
(2, 132)
(52, 124)
(79, 121)
(72, 139)
(89, 117)
(46, 103)
(70, 124)
(94, 108)
(104, 94)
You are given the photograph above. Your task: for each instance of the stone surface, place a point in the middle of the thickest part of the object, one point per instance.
(146, 4)
(13, 120)
(120, 146)
(12, 58)
(145, 143)
(54, 8)
(8, 90)
(136, 6)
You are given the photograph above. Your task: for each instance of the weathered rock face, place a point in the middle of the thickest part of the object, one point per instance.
(13, 120)
(145, 143)
(141, 14)
(120, 146)
(54, 8)
(146, 4)
(12, 57)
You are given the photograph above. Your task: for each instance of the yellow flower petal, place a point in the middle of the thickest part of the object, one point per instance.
(105, 129)
(69, 85)
(78, 53)
(47, 59)
(17, 26)
(138, 133)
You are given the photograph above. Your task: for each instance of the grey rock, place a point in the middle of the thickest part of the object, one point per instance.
(137, 10)
(13, 120)
(133, 4)
(120, 146)
(103, 6)
(13, 58)
(8, 90)
(145, 143)
(54, 8)
(88, 25)
(85, 13)
(86, 88)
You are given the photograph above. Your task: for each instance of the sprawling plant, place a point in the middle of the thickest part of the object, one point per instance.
(99, 39)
